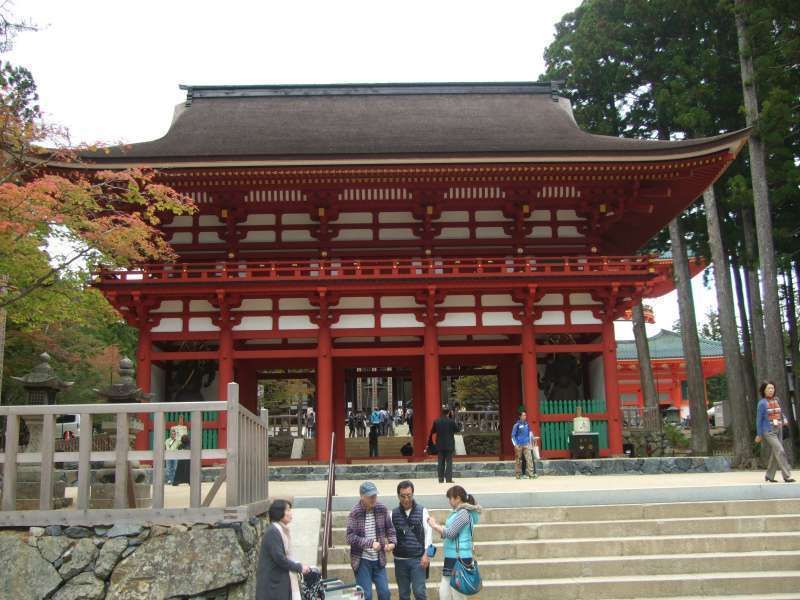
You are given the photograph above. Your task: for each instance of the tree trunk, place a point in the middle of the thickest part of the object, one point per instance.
(652, 413)
(766, 246)
(742, 446)
(794, 352)
(751, 387)
(753, 290)
(691, 343)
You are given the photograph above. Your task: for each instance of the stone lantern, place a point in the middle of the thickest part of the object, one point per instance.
(41, 385)
(124, 391)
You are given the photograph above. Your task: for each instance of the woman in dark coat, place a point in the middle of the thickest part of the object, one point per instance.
(276, 578)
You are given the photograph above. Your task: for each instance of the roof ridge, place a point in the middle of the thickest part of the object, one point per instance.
(369, 89)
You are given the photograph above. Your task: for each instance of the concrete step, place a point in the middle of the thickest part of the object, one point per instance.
(615, 529)
(758, 584)
(622, 546)
(607, 566)
(618, 512)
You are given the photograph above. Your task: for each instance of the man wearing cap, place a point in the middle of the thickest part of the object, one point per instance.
(371, 535)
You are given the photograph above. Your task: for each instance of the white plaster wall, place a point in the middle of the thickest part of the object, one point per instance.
(200, 306)
(398, 302)
(399, 320)
(551, 300)
(584, 317)
(202, 324)
(458, 320)
(295, 322)
(173, 306)
(356, 302)
(460, 300)
(294, 304)
(498, 300)
(499, 318)
(354, 321)
(260, 219)
(582, 299)
(296, 235)
(551, 317)
(259, 236)
(169, 325)
(255, 304)
(254, 324)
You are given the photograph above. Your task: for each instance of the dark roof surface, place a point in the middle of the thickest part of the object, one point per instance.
(234, 122)
(666, 344)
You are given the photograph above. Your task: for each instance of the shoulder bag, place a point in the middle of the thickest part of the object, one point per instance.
(466, 579)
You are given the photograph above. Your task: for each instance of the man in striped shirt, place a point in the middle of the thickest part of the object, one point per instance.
(371, 535)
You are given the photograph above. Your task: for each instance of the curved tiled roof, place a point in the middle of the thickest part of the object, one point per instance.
(389, 120)
(666, 344)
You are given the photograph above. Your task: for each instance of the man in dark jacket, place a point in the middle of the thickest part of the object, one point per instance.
(414, 536)
(274, 567)
(444, 436)
(371, 535)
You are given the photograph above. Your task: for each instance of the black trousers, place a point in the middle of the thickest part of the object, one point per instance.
(445, 464)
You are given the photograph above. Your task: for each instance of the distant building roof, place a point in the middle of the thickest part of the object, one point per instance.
(666, 344)
(354, 121)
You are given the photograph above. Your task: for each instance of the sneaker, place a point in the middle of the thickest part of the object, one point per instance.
(517, 476)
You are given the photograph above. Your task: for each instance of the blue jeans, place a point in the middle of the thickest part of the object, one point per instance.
(410, 575)
(369, 572)
(172, 465)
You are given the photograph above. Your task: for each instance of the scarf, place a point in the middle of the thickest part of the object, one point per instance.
(287, 544)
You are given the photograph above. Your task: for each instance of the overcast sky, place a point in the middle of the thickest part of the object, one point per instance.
(109, 70)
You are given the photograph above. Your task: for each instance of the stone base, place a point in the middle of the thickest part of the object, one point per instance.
(102, 495)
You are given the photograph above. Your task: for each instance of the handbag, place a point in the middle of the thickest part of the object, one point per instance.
(466, 578)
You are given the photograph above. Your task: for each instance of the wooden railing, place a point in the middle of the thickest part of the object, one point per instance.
(472, 421)
(330, 492)
(246, 463)
(286, 425)
(400, 268)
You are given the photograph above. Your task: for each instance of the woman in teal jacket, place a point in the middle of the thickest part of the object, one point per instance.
(457, 536)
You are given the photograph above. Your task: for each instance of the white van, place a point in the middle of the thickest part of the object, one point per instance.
(68, 426)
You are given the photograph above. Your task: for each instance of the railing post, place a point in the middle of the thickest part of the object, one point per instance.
(84, 456)
(265, 455)
(10, 464)
(196, 449)
(232, 464)
(158, 460)
(46, 476)
(121, 463)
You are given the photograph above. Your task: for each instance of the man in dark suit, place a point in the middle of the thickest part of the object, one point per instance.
(443, 434)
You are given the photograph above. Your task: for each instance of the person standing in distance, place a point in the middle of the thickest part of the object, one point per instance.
(414, 537)
(769, 427)
(522, 438)
(443, 434)
(371, 535)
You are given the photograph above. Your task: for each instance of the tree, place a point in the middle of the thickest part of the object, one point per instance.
(746, 17)
(730, 338)
(58, 221)
(477, 390)
(652, 411)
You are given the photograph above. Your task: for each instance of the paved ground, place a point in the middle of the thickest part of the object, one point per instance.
(547, 490)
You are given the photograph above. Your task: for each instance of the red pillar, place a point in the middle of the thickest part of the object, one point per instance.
(418, 402)
(247, 378)
(339, 413)
(530, 375)
(144, 368)
(324, 392)
(433, 399)
(225, 374)
(612, 390)
(507, 373)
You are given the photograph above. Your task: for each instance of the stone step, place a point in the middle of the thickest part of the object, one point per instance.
(624, 546)
(618, 512)
(607, 566)
(757, 584)
(615, 529)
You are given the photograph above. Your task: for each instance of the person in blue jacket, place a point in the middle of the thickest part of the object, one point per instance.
(457, 535)
(522, 438)
(769, 427)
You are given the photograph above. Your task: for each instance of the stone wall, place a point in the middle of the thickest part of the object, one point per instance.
(131, 562)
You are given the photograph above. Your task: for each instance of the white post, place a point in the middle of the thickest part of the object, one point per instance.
(265, 454)
(158, 460)
(46, 477)
(232, 467)
(84, 456)
(10, 464)
(121, 463)
(195, 465)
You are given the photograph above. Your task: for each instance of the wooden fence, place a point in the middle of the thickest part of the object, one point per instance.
(245, 464)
